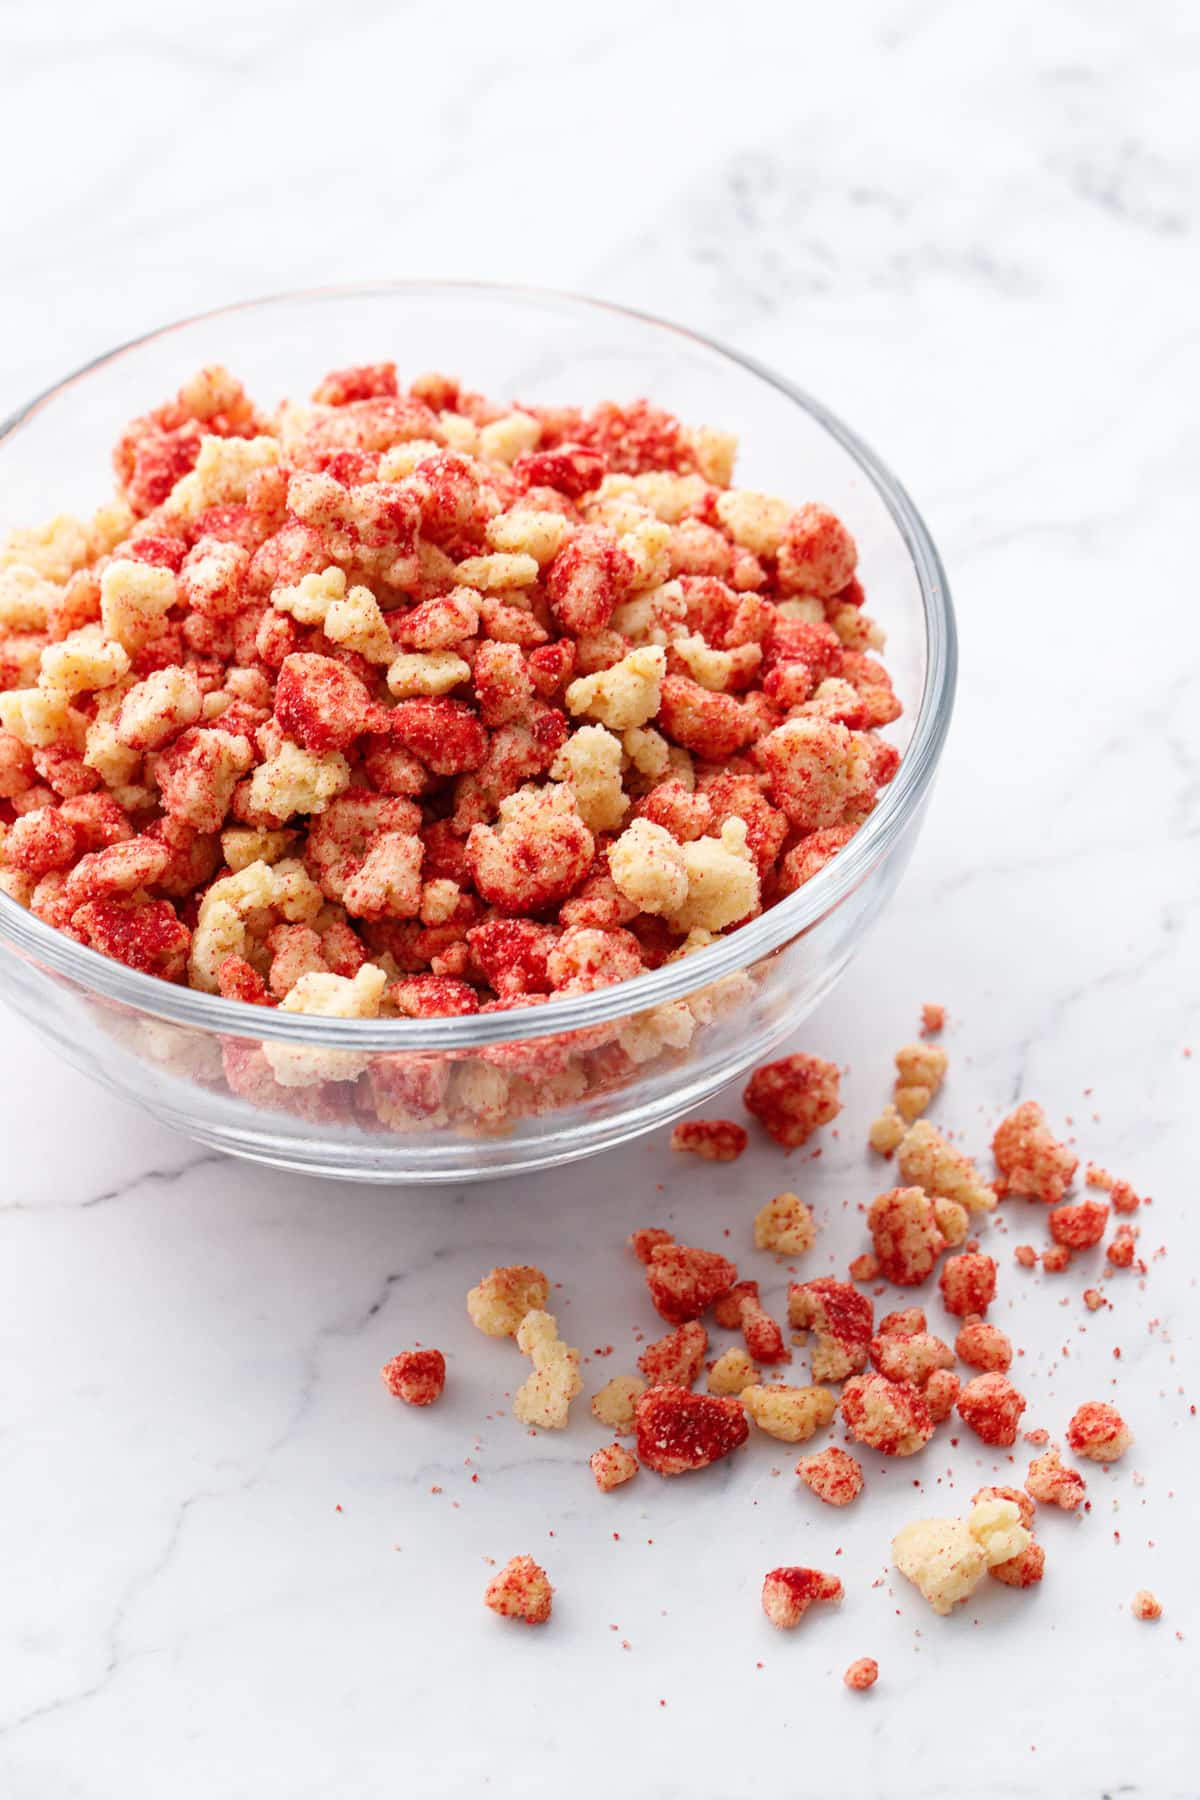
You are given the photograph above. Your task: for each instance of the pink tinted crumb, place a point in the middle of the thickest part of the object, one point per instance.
(941, 1393)
(1098, 1431)
(833, 1475)
(521, 1590)
(715, 1140)
(416, 1376)
(862, 1674)
(645, 1241)
(1030, 1158)
(1053, 1483)
(790, 1098)
(612, 1466)
(1079, 1226)
(1120, 1253)
(683, 1280)
(787, 1594)
(933, 1019)
(968, 1284)
(675, 1360)
(1145, 1606)
(991, 1406)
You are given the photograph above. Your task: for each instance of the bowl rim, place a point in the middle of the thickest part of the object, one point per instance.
(787, 919)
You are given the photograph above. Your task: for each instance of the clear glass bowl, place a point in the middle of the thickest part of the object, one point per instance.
(491, 1095)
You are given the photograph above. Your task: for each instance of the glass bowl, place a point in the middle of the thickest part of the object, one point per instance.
(489, 1095)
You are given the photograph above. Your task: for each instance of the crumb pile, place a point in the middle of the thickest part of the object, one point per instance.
(894, 1382)
(404, 703)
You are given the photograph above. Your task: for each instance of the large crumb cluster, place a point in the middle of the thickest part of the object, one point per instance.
(496, 702)
(946, 1559)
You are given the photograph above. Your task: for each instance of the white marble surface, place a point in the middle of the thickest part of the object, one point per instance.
(226, 1566)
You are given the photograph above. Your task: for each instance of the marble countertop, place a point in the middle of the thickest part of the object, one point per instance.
(230, 1564)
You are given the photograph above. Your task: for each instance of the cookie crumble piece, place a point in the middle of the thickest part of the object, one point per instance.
(504, 1296)
(416, 1376)
(792, 1414)
(785, 1225)
(675, 1360)
(833, 1475)
(1052, 1483)
(920, 1071)
(678, 1431)
(612, 1466)
(792, 1097)
(521, 1590)
(1098, 1432)
(615, 1403)
(991, 1406)
(842, 1321)
(1030, 1158)
(544, 1399)
(715, 1140)
(788, 1593)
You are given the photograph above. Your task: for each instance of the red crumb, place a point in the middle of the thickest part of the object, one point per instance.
(1023, 1570)
(841, 1318)
(941, 1393)
(716, 1140)
(1120, 1252)
(1093, 1299)
(417, 1376)
(1078, 1226)
(862, 1674)
(1145, 1606)
(520, 1591)
(933, 1019)
(643, 1243)
(792, 1097)
(683, 1281)
(910, 1355)
(1030, 1158)
(1056, 1260)
(833, 1475)
(1051, 1482)
(983, 1346)
(678, 1431)
(1098, 1431)
(906, 1227)
(968, 1283)
(741, 1309)
(788, 1593)
(992, 1407)
(864, 1267)
(889, 1416)
(1026, 1255)
(675, 1360)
